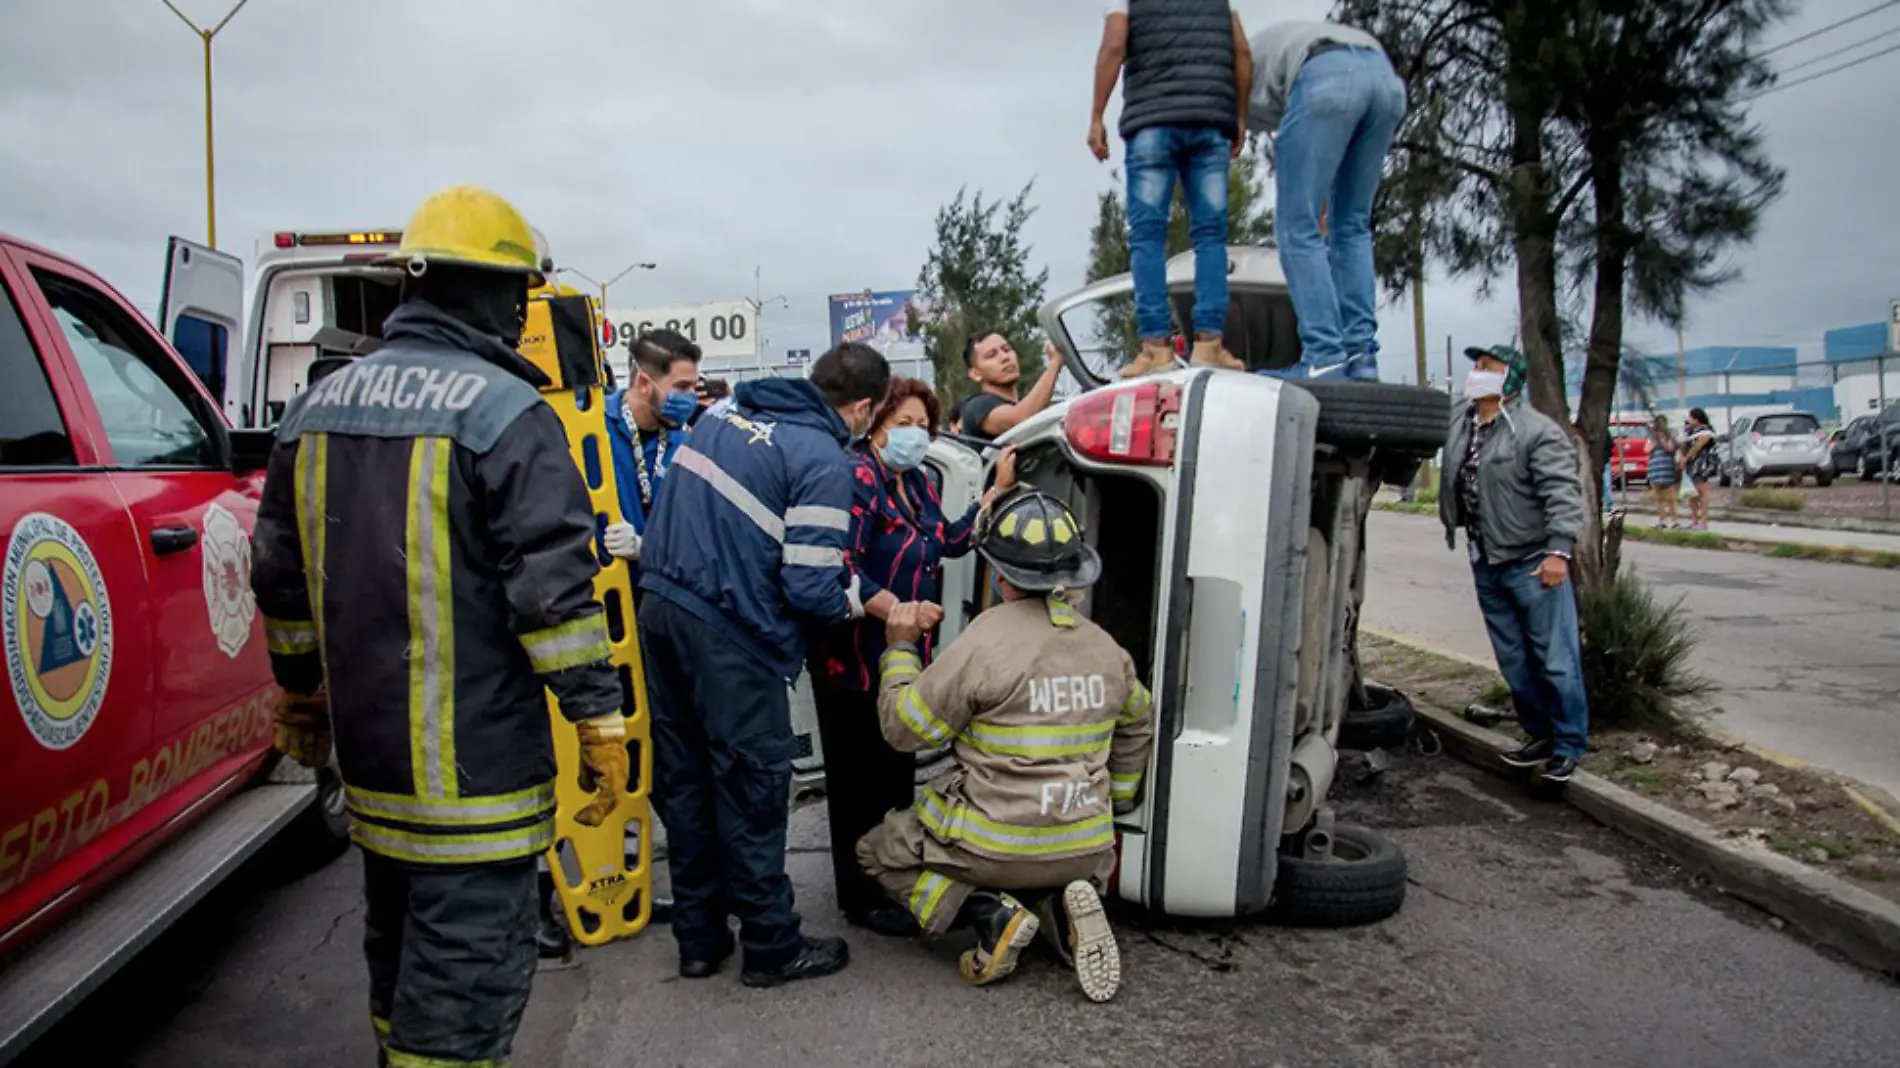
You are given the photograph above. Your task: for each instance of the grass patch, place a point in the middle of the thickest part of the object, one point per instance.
(1800, 847)
(1495, 692)
(1687, 539)
(1779, 500)
(1427, 496)
(1406, 508)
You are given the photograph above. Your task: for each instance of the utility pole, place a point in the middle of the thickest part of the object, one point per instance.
(759, 303)
(1447, 363)
(211, 166)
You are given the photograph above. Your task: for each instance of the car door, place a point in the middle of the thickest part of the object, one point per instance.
(77, 640)
(200, 309)
(166, 449)
(959, 474)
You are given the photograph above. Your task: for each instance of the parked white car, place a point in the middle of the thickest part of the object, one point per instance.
(1786, 445)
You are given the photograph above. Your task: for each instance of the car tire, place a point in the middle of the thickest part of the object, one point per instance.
(1362, 881)
(1386, 723)
(1408, 420)
(320, 833)
(1862, 469)
(1721, 476)
(1823, 479)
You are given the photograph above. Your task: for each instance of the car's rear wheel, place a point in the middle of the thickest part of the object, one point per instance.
(1406, 420)
(1863, 470)
(1823, 479)
(1358, 877)
(321, 833)
(1385, 722)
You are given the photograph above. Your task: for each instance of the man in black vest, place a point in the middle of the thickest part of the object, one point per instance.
(1184, 116)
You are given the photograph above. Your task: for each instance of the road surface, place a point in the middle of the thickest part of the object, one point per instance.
(1531, 937)
(1807, 654)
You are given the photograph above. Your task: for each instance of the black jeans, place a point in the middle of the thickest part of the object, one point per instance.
(722, 761)
(864, 779)
(451, 956)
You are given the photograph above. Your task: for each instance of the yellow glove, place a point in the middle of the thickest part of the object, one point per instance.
(604, 766)
(303, 728)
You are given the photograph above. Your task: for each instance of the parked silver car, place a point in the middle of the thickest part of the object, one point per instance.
(1786, 445)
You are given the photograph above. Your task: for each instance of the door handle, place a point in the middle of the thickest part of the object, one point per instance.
(168, 540)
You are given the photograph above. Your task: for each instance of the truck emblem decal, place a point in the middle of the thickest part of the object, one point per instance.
(58, 629)
(228, 597)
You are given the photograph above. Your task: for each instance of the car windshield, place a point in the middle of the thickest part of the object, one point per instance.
(1771, 426)
(1629, 430)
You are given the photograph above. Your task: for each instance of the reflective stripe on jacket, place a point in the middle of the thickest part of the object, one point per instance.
(752, 525)
(423, 503)
(1051, 728)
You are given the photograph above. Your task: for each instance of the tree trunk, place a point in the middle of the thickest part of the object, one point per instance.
(1611, 256)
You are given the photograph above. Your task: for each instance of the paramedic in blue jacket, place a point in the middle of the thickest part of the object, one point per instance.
(746, 551)
(646, 425)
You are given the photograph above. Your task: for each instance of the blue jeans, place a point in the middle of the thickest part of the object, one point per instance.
(1197, 157)
(1534, 634)
(1341, 116)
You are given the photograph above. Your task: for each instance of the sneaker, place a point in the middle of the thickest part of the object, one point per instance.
(887, 920)
(1303, 371)
(1529, 755)
(1560, 769)
(1155, 357)
(1000, 941)
(819, 958)
(1098, 961)
(1362, 368)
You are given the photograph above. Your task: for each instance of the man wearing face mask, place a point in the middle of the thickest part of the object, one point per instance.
(1517, 493)
(646, 425)
(900, 536)
(747, 548)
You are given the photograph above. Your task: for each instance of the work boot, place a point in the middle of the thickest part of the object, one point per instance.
(1209, 352)
(1098, 961)
(1004, 928)
(820, 957)
(1053, 927)
(1155, 356)
(551, 941)
(887, 920)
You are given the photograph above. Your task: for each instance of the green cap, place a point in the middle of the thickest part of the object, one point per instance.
(1511, 358)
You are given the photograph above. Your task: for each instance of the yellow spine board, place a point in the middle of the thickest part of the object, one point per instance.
(606, 893)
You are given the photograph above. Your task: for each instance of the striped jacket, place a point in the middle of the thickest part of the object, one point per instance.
(1052, 729)
(426, 548)
(751, 527)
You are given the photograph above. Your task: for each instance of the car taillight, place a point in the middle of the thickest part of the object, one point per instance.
(286, 240)
(1126, 424)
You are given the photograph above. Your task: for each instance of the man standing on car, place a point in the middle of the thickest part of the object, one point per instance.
(1184, 118)
(1329, 103)
(1516, 491)
(995, 408)
(425, 566)
(746, 548)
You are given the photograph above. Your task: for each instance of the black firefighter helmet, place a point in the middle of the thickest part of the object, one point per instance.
(1035, 543)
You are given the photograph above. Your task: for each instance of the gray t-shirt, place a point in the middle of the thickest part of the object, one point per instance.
(1278, 53)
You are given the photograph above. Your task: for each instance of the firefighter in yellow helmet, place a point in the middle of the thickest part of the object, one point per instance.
(1050, 726)
(424, 559)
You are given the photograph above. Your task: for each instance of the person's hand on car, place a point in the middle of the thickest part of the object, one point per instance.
(1005, 478)
(905, 623)
(1552, 571)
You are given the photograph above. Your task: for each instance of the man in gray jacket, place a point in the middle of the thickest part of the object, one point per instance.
(1513, 486)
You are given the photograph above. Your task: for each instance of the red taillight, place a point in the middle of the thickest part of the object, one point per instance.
(606, 332)
(286, 240)
(1126, 424)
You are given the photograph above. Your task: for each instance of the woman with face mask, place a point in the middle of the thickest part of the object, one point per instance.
(646, 425)
(900, 537)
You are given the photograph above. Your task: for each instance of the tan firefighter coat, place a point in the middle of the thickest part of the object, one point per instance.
(1051, 728)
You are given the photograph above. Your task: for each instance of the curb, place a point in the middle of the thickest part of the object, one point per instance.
(1801, 520)
(1859, 925)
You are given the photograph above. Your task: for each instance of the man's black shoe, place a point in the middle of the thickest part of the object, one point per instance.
(1530, 754)
(661, 913)
(887, 920)
(702, 968)
(1560, 769)
(551, 941)
(821, 957)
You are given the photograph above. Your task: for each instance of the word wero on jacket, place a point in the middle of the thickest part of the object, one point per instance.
(1060, 694)
(403, 388)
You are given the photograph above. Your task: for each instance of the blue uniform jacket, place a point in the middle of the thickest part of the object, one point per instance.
(658, 449)
(752, 524)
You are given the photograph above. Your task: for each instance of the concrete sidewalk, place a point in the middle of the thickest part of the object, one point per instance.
(1774, 534)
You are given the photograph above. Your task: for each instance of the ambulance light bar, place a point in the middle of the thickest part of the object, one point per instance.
(286, 239)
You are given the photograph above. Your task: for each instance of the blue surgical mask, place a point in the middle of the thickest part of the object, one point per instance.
(904, 447)
(678, 406)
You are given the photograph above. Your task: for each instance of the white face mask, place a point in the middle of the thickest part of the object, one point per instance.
(1480, 384)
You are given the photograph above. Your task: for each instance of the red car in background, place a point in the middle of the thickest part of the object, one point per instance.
(1629, 451)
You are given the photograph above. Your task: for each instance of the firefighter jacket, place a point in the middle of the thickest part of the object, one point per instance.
(1051, 730)
(753, 520)
(426, 548)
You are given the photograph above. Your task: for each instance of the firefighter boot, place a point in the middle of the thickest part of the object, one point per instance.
(1098, 962)
(1155, 356)
(551, 942)
(1004, 928)
(1209, 352)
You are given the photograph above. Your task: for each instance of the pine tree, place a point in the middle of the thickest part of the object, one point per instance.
(978, 278)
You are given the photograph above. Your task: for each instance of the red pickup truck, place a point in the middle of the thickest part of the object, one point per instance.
(135, 737)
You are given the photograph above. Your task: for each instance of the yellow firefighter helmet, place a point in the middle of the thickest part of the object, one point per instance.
(470, 226)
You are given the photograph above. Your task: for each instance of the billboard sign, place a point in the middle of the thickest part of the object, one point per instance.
(723, 329)
(879, 318)
(797, 356)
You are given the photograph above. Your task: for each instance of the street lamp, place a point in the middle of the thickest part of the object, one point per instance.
(211, 180)
(603, 285)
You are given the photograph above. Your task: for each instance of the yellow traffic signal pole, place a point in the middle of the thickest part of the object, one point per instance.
(211, 165)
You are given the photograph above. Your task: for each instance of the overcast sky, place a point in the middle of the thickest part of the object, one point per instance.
(814, 139)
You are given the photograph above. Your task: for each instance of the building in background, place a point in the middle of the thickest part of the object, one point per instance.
(1726, 381)
(882, 319)
(1863, 367)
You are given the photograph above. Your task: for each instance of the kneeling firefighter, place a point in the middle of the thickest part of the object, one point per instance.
(424, 562)
(1052, 729)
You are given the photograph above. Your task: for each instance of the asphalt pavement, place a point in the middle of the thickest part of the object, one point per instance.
(1531, 936)
(1807, 654)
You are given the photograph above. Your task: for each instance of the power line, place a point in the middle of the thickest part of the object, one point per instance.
(1816, 76)
(1830, 28)
(1839, 51)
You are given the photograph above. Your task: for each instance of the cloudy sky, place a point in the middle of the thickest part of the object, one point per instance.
(812, 139)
